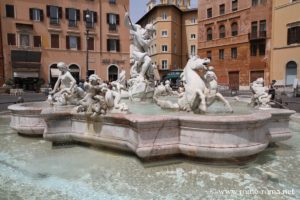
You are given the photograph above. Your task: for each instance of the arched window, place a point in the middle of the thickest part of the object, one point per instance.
(209, 34)
(113, 73)
(222, 33)
(234, 29)
(291, 72)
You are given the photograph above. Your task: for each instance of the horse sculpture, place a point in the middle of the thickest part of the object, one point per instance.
(199, 93)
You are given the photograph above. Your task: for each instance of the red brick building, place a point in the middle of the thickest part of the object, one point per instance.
(2, 80)
(236, 35)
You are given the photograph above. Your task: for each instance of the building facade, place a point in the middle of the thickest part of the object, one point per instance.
(285, 65)
(176, 33)
(236, 35)
(39, 34)
(2, 78)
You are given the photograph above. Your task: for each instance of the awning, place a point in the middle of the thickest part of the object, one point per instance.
(54, 73)
(26, 75)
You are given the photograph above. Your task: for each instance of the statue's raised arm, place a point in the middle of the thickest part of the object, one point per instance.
(128, 23)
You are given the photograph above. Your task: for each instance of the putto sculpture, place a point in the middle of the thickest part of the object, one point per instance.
(141, 82)
(260, 97)
(65, 91)
(99, 98)
(199, 93)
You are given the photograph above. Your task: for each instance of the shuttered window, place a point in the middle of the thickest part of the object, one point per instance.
(11, 39)
(293, 35)
(54, 41)
(37, 42)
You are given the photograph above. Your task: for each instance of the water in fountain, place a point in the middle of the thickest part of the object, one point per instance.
(32, 169)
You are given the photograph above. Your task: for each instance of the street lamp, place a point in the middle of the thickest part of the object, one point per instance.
(87, 26)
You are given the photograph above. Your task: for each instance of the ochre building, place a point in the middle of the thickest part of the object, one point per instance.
(236, 35)
(285, 65)
(176, 33)
(37, 35)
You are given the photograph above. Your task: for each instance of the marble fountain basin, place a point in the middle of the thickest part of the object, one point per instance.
(150, 132)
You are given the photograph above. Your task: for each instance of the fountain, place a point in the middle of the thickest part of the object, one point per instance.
(181, 124)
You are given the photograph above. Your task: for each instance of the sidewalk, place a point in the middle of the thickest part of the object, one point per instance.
(7, 99)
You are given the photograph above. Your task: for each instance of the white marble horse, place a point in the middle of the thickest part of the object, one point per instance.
(194, 85)
(193, 99)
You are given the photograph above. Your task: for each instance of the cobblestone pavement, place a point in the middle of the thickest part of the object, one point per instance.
(7, 99)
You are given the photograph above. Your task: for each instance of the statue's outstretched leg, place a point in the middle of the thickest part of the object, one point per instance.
(221, 98)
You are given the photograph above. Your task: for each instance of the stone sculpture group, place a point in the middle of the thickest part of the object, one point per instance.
(95, 98)
(260, 97)
(196, 94)
(199, 92)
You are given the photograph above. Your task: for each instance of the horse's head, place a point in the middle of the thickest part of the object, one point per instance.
(196, 63)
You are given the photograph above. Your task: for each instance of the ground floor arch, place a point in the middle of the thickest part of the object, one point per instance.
(290, 72)
(75, 71)
(113, 73)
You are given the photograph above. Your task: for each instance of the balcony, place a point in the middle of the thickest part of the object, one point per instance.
(112, 27)
(262, 35)
(54, 21)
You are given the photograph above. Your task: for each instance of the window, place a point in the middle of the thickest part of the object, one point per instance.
(208, 55)
(10, 10)
(222, 9)
(11, 39)
(254, 30)
(175, 48)
(164, 48)
(254, 2)
(234, 53)
(54, 41)
(54, 13)
(234, 29)
(234, 5)
(37, 41)
(73, 42)
(209, 12)
(222, 33)
(209, 34)
(91, 20)
(221, 54)
(113, 45)
(164, 16)
(193, 50)
(164, 33)
(263, 28)
(24, 40)
(293, 35)
(113, 20)
(73, 15)
(262, 49)
(112, 1)
(91, 44)
(164, 64)
(253, 49)
(193, 36)
(193, 20)
(36, 14)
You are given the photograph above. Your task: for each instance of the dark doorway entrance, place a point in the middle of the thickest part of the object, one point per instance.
(54, 73)
(113, 72)
(75, 71)
(234, 80)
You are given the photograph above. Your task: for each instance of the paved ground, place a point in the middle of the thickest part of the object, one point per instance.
(6, 99)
